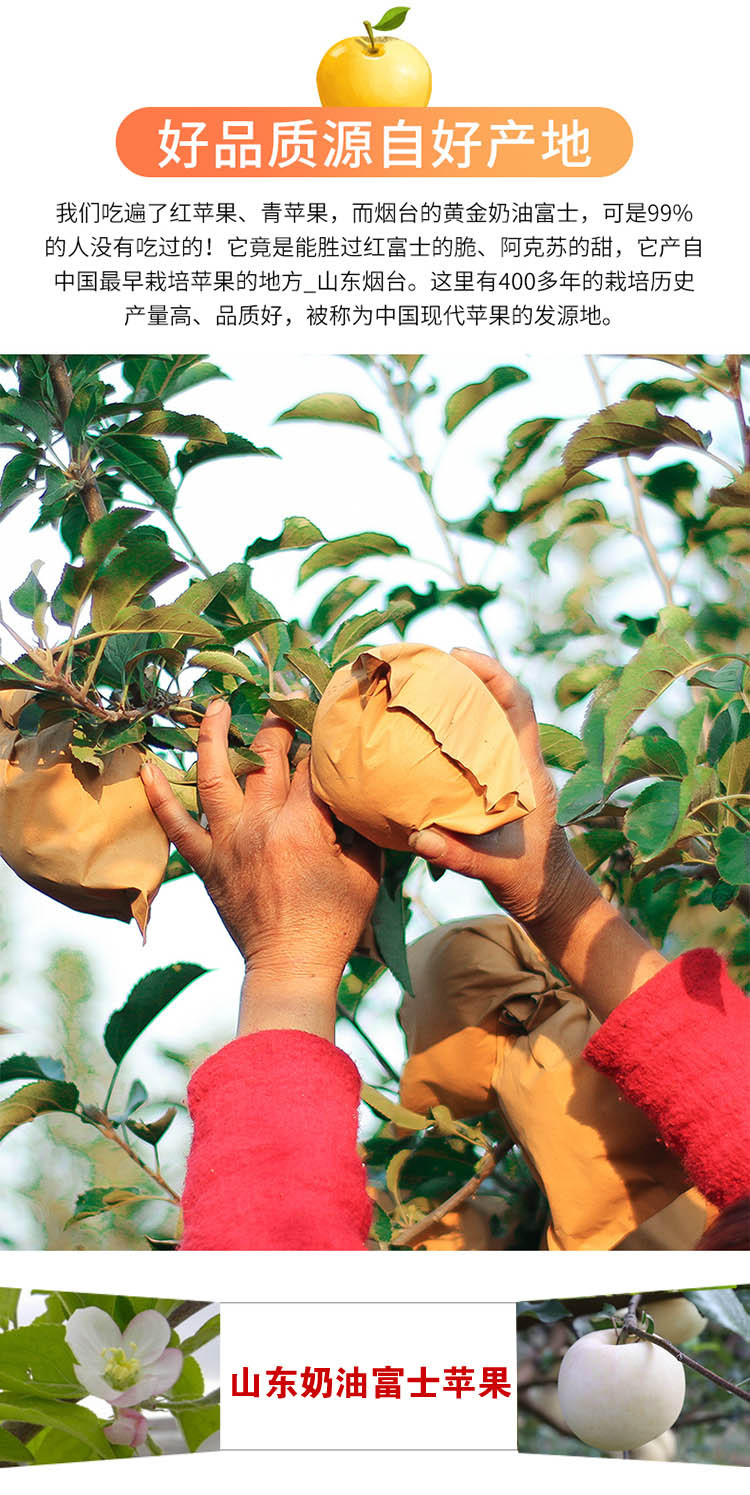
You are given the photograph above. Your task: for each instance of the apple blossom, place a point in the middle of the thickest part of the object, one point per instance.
(127, 1368)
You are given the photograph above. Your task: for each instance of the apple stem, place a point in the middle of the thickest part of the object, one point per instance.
(371, 34)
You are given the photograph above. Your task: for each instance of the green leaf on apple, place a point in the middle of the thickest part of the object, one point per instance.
(393, 18)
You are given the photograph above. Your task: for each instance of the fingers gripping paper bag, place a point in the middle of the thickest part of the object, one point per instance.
(408, 737)
(85, 838)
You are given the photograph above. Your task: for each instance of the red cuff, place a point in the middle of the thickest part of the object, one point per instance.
(273, 1165)
(679, 1048)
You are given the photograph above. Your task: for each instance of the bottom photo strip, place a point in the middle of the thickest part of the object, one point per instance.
(659, 1376)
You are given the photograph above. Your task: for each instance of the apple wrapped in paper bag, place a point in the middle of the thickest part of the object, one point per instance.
(86, 838)
(407, 737)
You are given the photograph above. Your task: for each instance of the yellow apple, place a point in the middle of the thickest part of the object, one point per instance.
(619, 1396)
(359, 74)
(676, 1319)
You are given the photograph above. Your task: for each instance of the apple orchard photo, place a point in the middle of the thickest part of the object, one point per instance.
(375, 824)
(660, 1378)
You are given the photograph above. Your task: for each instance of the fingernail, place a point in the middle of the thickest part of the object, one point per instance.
(427, 844)
(215, 706)
(147, 772)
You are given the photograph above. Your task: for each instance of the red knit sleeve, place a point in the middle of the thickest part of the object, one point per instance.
(273, 1165)
(679, 1048)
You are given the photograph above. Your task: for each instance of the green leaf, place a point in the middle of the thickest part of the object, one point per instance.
(733, 856)
(579, 682)
(67, 1417)
(198, 1424)
(224, 662)
(382, 1230)
(667, 391)
(172, 423)
(653, 818)
(27, 413)
(463, 401)
(651, 753)
(24, 1067)
(298, 534)
(153, 1131)
(722, 1306)
(98, 1201)
(36, 1359)
(550, 1312)
(310, 665)
(560, 748)
(144, 559)
(194, 453)
(523, 441)
(100, 538)
(9, 1297)
(351, 633)
(663, 658)
(409, 1121)
(137, 1094)
(673, 486)
(390, 917)
(393, 1171)
(50, 1446)
(204, 1335)
(137, 459)
(349, 549)
(630, 426)
(336, 407)
(15, 479)
(392, 19)
(34, 1100)
(299, 711)
(173, 619)
(156, 378)
(29, 596)
(147, 999)
(12, 1450)
(335, 603)
(734, 494)
(584, 792)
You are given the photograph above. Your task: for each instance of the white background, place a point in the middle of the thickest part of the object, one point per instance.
(344, 1335)
(71, 73)
(678, 77)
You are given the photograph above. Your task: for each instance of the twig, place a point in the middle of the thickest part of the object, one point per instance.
(415, 465)
(185, 1311)
(459, 1198)
(630, 1326)
(80, 465)
(734, 364)
(107, 1130)
(374, 1050)
(636, 494)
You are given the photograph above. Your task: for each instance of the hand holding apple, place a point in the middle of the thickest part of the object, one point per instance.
(371, 71)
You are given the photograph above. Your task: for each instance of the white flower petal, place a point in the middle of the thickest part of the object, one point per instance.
(96, 1384)
(147, 1336)
(166, 1370)
(88, 1332)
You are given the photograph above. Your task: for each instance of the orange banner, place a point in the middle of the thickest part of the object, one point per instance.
(341, 143)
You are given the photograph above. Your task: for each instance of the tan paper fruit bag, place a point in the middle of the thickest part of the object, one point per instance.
(408, 737)
(490, 1027)
(87, 839)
